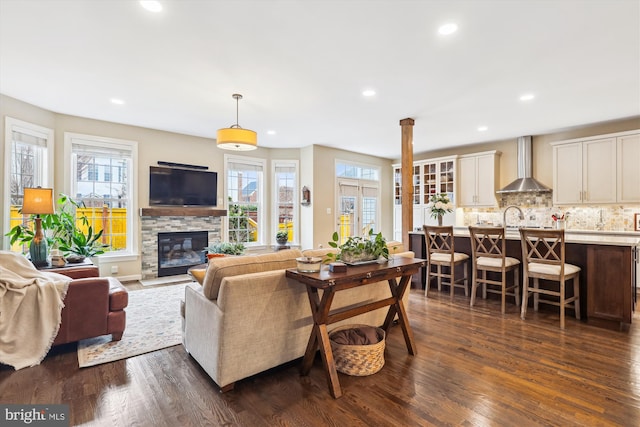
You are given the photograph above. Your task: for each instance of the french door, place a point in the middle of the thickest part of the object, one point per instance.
(358, 208)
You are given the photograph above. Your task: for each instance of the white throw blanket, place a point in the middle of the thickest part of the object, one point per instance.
(31, 303)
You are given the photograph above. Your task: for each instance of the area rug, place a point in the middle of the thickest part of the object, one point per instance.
(153, 323)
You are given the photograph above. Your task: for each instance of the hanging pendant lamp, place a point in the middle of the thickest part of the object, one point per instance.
(236, 138)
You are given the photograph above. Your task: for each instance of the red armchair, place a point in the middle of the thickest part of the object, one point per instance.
(94, 306)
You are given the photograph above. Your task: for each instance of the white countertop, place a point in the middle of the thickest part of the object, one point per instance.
(593, 237)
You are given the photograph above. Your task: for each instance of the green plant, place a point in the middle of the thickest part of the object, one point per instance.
(370, 246)
(82, 244)
(61, 231)
(282, 236)
(226, 248)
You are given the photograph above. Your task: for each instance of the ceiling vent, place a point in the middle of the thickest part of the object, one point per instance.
(525, 182)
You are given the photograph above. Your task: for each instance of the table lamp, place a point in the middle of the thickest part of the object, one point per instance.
(38, 201)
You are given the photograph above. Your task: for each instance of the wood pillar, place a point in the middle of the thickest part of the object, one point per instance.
(407, 180)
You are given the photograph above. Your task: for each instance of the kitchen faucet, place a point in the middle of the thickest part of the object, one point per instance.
(504, 214)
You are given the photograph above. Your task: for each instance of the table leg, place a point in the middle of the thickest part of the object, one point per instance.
(312, 345)
(320, 339)
(398, 290)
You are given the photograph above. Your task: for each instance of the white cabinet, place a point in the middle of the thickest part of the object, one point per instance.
(567, 173)
(597, 170)
(628, 152)
(478, 179)
(429, 177)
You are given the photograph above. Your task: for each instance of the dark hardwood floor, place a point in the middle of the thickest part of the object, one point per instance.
(474, 367)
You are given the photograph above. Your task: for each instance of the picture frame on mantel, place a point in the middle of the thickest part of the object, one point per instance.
(636, 222)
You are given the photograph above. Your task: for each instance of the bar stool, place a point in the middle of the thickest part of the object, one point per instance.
(488, 250)
(543, 256)
(440, 252)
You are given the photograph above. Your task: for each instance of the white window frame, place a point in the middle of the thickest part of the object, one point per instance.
(132, 251)
(261, 242)
(296, 192)
(11, 125)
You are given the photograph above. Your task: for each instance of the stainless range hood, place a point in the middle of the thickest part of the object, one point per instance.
(525, 182)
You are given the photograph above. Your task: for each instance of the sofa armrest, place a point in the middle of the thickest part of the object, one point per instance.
(118, 295)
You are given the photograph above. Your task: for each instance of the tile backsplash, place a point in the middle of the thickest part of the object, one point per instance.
(538, 210)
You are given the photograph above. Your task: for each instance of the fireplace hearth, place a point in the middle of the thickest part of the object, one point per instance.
(178, 251)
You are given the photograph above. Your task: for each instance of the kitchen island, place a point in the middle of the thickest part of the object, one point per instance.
(606, 259)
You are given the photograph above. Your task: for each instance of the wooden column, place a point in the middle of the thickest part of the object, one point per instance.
(407, 179)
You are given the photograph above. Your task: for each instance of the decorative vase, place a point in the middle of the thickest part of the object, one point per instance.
(439, 220)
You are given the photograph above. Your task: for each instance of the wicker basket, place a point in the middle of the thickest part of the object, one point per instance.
(358, 360)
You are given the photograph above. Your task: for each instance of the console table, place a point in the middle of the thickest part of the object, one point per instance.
(362, 275)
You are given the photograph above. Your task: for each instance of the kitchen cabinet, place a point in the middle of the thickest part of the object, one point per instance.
(610, 283)
(597, 170)
(478, 179)
(430, 177)
(628, 152)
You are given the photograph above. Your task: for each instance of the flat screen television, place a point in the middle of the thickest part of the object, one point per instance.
(182, 187)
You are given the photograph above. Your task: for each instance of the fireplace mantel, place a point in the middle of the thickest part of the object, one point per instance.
(182, 211)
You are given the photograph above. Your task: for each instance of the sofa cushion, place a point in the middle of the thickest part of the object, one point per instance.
(322, 252)
(395, 247)
(219, 268)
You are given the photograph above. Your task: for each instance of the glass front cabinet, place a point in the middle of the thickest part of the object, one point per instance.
(429, 177)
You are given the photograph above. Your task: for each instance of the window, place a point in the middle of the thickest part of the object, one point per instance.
(350, 170)
(28, 162)
(244, 189)
(285, 194)
(109, 198)
(358, 203)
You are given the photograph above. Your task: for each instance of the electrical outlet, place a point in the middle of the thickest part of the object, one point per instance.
(114, 269)
(328, 211)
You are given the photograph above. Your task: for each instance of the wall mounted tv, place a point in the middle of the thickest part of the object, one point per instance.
(182, 187)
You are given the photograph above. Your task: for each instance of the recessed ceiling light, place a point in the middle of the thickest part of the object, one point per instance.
(527, 97)
(117, 101)
(447, 29)
(271, 132)
(151, 5)
(482, 128)
(368, 92)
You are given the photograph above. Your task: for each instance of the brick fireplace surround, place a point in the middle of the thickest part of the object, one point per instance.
(160, 219)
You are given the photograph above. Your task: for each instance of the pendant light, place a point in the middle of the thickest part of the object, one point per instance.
(236, 138)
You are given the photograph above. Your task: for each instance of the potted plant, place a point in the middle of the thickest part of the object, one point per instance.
(360, 249)
(224, 248)
(82, 245)
(62, 232)
(282, 237)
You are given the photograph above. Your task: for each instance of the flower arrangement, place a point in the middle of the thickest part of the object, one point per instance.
(440, 205)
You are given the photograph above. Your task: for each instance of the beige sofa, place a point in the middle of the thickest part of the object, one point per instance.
(248, 317)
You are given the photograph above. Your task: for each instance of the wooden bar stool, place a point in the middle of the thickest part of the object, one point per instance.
(440, 252)
(488, 250)
(543, 256)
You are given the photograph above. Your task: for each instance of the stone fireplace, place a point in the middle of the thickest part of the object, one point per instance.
(158, 221)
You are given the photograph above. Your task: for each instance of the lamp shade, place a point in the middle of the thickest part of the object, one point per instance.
(38, 201)
(236, 138)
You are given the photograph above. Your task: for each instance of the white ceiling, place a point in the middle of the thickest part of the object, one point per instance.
(302, 66)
